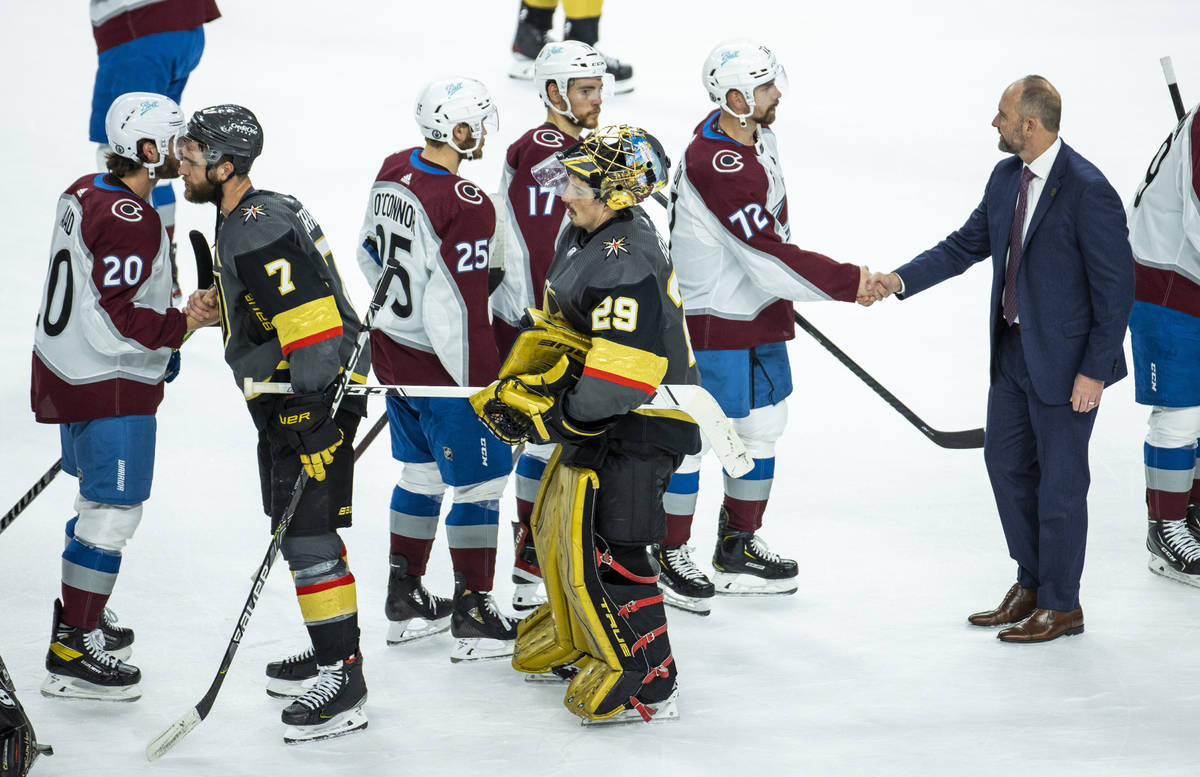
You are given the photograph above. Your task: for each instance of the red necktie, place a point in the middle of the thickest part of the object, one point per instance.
(1016, 236)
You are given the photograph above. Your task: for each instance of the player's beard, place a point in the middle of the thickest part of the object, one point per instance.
(208, 192)
(588, 121)
(767, 117)
(168, 170)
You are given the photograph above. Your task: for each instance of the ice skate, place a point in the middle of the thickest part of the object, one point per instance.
(1174, 551)
(411, 610)
(682, 583)
(118, 639)
(332, 707)
(293, 676)
(655, 712)
(1193, 520)
(556, 676)
(528, 590)
(80, 667)
(479, 628)
(622, 74)
(527, 42)
(745, 566)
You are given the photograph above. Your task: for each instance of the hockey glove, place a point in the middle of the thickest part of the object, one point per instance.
(530, 407)
(173, 365)
(18, 744)
(305, 422)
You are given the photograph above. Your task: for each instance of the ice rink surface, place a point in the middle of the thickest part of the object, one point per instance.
(870, 669)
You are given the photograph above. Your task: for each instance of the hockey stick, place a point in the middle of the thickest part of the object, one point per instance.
(204, 279)
(970, 438)
(692, 400)
(172, 734)
(370, 436)
(1172, 86)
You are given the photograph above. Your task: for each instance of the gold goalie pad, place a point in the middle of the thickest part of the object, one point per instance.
(538, 347)
(576, 624)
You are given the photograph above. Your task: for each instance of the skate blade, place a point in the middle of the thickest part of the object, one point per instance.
(480, 649)
(737, 584)
(1160, 567)
(400, 632)
(289, 689)
(691, 604)
(550, 678)
(348, 722)
(64, 687)
(662, 712)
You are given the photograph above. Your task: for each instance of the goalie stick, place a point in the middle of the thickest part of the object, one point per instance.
(172, 734)
(970, 438)
(692, 400)
(204, 280)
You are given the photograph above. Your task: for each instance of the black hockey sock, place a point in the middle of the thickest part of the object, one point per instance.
(585, 30)
(333, 642)
(540, 18)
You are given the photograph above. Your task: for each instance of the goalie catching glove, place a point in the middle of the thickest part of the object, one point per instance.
(305, 421)
(532, 407)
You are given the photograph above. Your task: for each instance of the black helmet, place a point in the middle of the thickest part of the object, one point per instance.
(227, 130)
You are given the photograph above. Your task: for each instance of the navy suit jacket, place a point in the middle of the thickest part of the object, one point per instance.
(1075, 281)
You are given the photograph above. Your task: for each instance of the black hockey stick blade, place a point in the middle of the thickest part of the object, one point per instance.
(969, 438)
(204, 260)
(30, 495)
(370, 436)
(1172, 86)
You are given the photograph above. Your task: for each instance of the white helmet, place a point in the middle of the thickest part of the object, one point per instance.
(560, 62)
(444, 104)
(136, 116)
(741, 65)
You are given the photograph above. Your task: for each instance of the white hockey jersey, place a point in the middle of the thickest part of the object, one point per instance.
(436, 227)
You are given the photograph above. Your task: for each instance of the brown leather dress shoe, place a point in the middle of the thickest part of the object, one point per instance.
(1017, 605)
(1045, 625)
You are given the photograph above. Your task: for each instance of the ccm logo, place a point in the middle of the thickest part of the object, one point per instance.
(727, 161)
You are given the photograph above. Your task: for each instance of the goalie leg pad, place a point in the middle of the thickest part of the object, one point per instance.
(544, 638)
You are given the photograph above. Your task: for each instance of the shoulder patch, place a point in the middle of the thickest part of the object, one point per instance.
(128, 210)
(615, 246)
(548, 137)
(252, 212)
(727, 161)
(468, 192)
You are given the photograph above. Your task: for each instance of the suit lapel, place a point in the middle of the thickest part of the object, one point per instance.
(1049, 191)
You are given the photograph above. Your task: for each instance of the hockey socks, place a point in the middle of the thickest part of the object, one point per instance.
(472, 531)
(414, 520)
(328, 603)
(89, 575)
(746, 497)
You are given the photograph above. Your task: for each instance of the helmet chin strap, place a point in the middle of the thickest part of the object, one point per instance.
(741, 117)
(469, 153)
(568, 113)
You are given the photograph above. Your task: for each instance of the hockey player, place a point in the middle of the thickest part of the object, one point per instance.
(571, 79)
(285, 317)
(431, 229)
(101, 352)
(1164, 233)
(612, 284)
(582, 24)
(146, 46)
(738, 274)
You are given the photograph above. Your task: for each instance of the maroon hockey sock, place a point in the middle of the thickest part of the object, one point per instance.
(1167, 505)
(477, 565)
(1194, 496)
(81, 609)
(744, 515)
(415, 551)
(679, 530)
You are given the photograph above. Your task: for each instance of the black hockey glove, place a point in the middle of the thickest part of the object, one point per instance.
(530, 407)
(305, 421)
(18, 744)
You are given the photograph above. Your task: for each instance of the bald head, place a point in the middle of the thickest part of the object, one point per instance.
(1027, 117)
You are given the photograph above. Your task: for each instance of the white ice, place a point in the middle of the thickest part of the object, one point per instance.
(870, 669)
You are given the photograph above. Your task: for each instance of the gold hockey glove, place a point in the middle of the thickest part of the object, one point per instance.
(529, 407)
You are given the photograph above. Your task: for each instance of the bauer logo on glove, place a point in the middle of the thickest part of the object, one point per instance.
(304, 420)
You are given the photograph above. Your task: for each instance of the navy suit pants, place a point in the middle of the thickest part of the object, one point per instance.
(1037, 459)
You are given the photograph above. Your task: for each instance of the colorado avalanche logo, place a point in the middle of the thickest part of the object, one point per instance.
(726, 161)
(548, 138)
(468, 192)
(127, 210)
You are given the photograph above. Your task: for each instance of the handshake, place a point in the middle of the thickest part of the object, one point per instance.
(873, 287)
